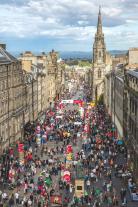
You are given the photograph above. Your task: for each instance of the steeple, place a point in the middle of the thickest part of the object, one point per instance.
(99, 48)
(99, 61)
(99, 24)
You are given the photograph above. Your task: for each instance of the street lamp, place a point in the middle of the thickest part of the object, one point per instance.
(1, 141)
(22, 131)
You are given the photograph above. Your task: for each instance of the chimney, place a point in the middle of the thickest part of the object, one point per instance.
(3, 46)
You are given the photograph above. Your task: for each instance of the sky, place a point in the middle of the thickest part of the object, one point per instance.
(67, 25)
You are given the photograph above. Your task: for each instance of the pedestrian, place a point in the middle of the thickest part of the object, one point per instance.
(4, 196)
(29, 202)
(115, 201)
(88, 184)
(16, 195)
(11, 201)
(82, 199)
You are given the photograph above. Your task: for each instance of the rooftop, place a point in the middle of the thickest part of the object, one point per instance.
(5, 57)
(132, 66)
(133, 73)
(133, 49)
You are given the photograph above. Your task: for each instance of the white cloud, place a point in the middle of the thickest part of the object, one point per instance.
(112, 12)
(74, 19)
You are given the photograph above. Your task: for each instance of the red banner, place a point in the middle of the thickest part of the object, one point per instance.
(77, 101)
(20, 147)
(69, 149)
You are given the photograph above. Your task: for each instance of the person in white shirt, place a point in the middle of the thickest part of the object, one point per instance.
(16, 195)
(29, 202)
(4, 196)
(88, 183)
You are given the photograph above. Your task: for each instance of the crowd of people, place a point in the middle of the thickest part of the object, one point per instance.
(33, 180)
(99, 159)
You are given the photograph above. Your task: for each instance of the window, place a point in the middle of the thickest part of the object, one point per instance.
(100, 54)
(99, 73)
(133, 106)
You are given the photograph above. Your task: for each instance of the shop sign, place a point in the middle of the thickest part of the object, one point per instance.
(134, 196)
(58, 117)
(77, 123)
(67, 101)
(79, 188)
(56, 199)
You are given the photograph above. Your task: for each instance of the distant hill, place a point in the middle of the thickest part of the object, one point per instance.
(77, 54)
(85, 55)
(118, 52)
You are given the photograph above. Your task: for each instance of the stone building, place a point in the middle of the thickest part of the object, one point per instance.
(52, 69)
(121, 101)
(101, 61)
(108, 93)
(28, 98)
(49, 74)
(56, 76)
(28, 87)
(60, 78)
(36, 69)
(113, 98)
(11, 98)
(131, 116)
(120, 59)
(132, 56)
(33, 96)
(118, 91)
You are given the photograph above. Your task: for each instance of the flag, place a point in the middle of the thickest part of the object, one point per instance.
(48, 181)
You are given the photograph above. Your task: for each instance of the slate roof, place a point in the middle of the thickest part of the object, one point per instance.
(133, 73)
(5, 57)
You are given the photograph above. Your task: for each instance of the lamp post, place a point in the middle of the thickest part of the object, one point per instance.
(22, 132)
(1, 141)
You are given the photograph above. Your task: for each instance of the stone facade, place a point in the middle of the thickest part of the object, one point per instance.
(108, 93)
(119, 60)
(47, 79)
(52, 68)
(37, 66)
(28, 87)
(11, 98)
(35, 85)
(60, 78)
(113, 98)
(121, 102)
(131, 116)
(133, 56)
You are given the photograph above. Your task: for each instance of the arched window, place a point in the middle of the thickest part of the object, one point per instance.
(100, 54)
(99, 73)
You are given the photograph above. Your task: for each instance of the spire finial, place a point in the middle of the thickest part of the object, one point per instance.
(99, 25)
(99, 9)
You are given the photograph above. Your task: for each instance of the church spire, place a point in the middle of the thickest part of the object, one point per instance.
(99, 24)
